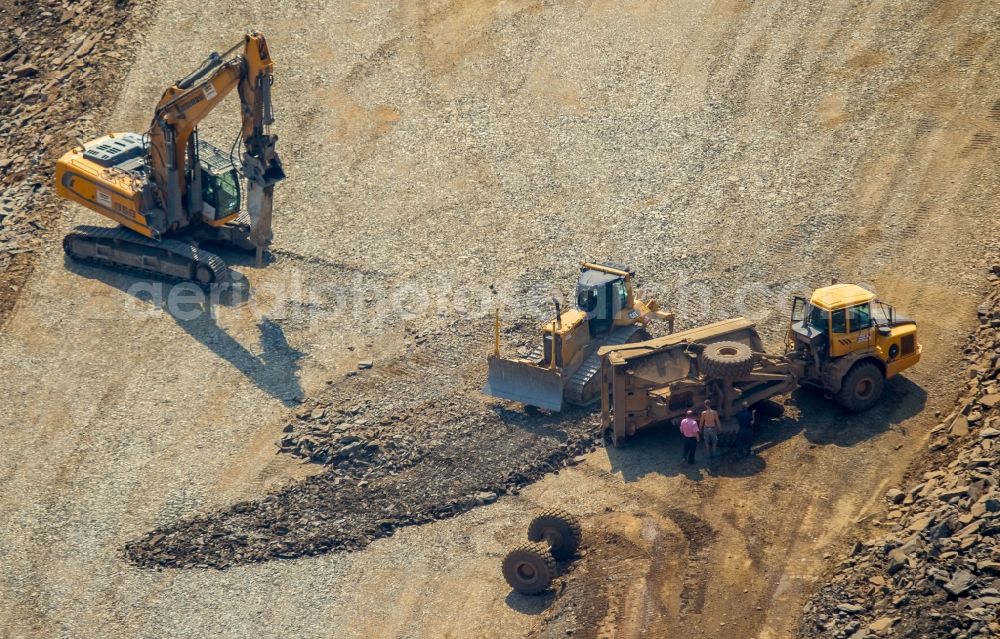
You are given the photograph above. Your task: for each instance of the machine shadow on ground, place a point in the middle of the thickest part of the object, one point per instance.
(275, 370)
(530, 604)
(825, 423)
(658, 451)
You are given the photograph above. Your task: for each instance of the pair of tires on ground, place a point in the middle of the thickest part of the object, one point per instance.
(860, 389)
(552, 536)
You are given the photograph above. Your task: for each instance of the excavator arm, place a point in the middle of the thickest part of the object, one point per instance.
(173, 148)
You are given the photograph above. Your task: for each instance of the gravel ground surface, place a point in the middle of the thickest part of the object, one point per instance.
(445, 158)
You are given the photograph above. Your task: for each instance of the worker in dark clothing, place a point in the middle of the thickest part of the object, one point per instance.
(744, 436)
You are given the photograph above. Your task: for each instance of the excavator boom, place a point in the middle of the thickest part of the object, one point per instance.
(247, 67)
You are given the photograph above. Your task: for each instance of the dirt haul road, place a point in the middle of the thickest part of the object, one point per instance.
(731, 152)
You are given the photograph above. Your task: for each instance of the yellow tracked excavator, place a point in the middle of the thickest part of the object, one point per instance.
(169, 190)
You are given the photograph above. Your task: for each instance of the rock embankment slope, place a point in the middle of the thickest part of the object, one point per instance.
(933, 570)
(61, 62)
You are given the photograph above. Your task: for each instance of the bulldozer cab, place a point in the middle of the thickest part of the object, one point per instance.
(604, 294)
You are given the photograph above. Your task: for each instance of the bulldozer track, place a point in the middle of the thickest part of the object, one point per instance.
(577, 385)
(123, 238)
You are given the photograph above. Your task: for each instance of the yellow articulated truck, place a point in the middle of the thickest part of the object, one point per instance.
(841, 339)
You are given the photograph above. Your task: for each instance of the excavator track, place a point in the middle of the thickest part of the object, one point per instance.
(580, 389)
(124, 250)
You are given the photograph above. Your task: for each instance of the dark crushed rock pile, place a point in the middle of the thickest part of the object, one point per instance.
(936, 570)
(422, 451)
(57, 60)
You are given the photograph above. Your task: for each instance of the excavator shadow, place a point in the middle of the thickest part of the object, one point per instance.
(275, 370)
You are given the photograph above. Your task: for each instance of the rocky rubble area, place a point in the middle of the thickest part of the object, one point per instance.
(933, 570)
(404, 443)
(60, 63)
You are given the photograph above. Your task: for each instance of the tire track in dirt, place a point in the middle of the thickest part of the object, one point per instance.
(700, 537)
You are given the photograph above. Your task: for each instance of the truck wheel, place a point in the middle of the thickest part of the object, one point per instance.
(727, 360)
(861, 388)
(560, 530)
(529, 569)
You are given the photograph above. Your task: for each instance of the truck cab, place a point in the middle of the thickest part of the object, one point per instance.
(843, 327)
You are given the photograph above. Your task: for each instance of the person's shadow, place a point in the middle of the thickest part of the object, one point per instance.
(275, 371)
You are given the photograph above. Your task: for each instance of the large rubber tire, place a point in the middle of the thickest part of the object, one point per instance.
(529, 568)
(727, 360)
(861, 388)
(560, 530)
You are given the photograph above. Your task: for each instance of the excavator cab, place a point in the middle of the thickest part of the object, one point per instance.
(220, 183)
(221, 193)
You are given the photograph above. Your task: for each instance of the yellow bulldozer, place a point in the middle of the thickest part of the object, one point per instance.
(563, 369)
(169, 190)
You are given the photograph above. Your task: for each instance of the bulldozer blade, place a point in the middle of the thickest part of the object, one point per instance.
(521, 381)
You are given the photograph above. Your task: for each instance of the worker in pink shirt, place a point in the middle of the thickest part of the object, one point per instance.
(692, 435)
